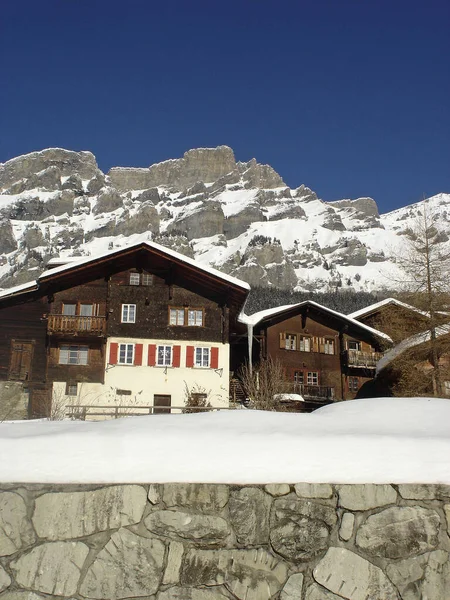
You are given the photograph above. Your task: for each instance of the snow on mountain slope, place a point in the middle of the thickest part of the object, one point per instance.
(238, 217)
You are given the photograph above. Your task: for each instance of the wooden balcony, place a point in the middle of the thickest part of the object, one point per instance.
(314, 392)
(363, 360)
(76, 325)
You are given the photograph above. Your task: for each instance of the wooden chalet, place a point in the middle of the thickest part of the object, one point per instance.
(137, 327)
(398, 319)
(326, 355)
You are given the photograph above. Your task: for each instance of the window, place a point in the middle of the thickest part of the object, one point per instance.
(305, 344)
(71, 389)
(164, 356)
(353, 345)
(134, 278)
(195, 317)
(329, 346)
(69, 309)
(128, 313)
(299, 377)
(123, 392)
(313, 378)
(291, 341)
(147, 279)
(73, 355)
(176, 316)
(202, 357)
(353, 384)
(126, 354)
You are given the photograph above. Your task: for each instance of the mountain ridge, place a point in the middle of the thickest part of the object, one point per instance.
(237, 216)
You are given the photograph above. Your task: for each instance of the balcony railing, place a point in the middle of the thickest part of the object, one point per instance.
(311, 392)
(365, 360)
(76, 325)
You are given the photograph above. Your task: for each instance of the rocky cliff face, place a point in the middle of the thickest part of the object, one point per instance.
(237, 216)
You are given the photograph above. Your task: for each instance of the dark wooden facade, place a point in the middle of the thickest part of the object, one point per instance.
(80, 306)
(397, 320)
(325, 356)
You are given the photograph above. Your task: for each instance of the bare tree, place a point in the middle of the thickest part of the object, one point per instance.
(426, 263)
(264, 382)
(196, 399)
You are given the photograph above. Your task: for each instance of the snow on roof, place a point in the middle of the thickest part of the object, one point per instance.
(373, 307)
(414, 340)
(256, 318)
(18, 289)
(151, 246)
(377, 440)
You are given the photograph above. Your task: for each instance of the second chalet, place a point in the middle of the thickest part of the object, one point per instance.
(326, 355)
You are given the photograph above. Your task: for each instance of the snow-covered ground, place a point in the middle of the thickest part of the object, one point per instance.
(395, 440)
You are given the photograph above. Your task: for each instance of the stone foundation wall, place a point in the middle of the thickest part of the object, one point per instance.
(218, 542)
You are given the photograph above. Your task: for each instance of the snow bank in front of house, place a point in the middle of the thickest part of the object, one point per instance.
(396, 440)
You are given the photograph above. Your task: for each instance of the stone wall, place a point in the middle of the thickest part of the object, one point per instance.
(218, 542)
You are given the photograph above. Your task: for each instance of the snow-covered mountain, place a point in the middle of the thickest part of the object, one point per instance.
(238, 217)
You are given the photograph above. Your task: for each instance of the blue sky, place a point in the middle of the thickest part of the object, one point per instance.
(350, 97)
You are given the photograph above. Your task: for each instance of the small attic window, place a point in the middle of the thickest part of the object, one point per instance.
(134, 279)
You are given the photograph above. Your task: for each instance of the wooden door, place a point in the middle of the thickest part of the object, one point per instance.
(21, 357)
(161, 404)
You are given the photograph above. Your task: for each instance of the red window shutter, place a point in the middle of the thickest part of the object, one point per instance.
(113, 351)
(190, 356)
(176, 356)
(214, 363)
(151, 355)
(138, 354)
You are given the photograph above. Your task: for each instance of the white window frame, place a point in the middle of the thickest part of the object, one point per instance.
(291, 341)
(176, 316)
(193, 315)
(202, 357)
(164, 362)
(127, 351)
(147, 279)
(329, 346)
(126, 309)
(73, 354)
(305, 344)
(69, 391)
(353, 384)
(135, 279)
(299, 377)
(357, 344)
(312, 378)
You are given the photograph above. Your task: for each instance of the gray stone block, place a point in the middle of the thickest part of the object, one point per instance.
(365, 496)
(52, 568)
(313, 490)
(292, 589)
(399, 532)
(207, 497)
(248, 574)
(352, 577)
(347, 524)
(15, 529)
(59, 516)
(249, 515)
(277, 489)
(202, 529)
(111, 576)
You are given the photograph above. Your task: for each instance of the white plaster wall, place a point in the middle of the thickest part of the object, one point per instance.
(144, 381)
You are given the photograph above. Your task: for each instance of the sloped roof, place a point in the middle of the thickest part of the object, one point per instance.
(188, 271)
(363, 312)
(411, 342)
(292, 309)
